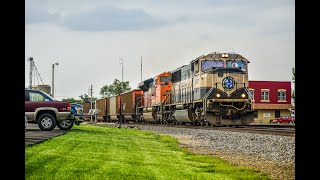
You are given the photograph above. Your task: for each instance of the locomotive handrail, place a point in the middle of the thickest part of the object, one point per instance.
(205, 100)
(250, 97)
(167, 94)
(239, 109)
(139, 103)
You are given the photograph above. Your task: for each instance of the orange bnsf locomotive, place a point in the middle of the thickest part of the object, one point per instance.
(212, 90)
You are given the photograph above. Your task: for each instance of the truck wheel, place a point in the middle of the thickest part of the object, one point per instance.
(46, 122)
(65, 124)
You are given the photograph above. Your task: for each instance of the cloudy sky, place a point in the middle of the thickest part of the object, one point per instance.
(88, 37)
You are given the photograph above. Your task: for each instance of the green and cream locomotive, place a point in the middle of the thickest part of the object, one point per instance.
(212, 89)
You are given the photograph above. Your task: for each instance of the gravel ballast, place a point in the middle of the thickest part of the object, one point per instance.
(272, 154)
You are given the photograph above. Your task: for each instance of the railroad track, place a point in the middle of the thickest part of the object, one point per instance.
(261, 129)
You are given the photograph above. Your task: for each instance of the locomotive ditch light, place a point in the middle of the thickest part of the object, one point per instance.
(218, 95)
(243, 95)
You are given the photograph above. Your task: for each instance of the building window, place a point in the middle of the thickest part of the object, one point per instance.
(264, 95)
(281, 95)
(251, 91)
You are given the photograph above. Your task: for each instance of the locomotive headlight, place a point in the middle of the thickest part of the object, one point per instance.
(218, 95)
(224, 55)
(243, 95)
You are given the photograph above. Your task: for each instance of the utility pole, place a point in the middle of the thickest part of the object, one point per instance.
(53, 78)
(91, 103)
(30, 73)
(120, 119)
(121, 63)
(95, 107)
(141, 68)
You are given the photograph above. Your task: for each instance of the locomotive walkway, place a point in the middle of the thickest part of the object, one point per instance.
(35, 135)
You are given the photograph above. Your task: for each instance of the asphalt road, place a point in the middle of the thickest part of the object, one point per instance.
(35, 135)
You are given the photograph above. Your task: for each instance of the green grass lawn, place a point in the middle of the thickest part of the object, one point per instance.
(92, 152)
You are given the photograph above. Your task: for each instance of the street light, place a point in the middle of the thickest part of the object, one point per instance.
(53, 78)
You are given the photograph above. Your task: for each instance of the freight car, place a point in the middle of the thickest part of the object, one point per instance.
(123, 107)
(113, 108)
(101, 104)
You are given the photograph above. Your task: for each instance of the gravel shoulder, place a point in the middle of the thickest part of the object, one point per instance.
(271, 154)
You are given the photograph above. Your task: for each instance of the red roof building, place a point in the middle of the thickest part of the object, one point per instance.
(272, 99)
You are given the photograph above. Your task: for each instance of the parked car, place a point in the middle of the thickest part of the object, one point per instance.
(77, 110)
(283, 119)
(47, 112)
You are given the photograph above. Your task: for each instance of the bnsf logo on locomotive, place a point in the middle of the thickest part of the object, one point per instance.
(228, 83)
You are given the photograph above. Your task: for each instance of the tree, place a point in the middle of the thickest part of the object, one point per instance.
(72, 100)
(117, 87)
(86, 98)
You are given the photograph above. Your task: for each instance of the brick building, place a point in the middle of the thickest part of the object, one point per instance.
(271, 99)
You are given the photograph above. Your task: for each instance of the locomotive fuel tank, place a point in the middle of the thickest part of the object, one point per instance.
(149, 117)
(183, 115)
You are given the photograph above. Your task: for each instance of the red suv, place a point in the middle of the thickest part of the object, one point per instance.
(283, 119)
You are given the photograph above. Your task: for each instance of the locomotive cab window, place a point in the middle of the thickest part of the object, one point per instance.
(165, 79)
(196, 66)
(207, 64)
(241, 64)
